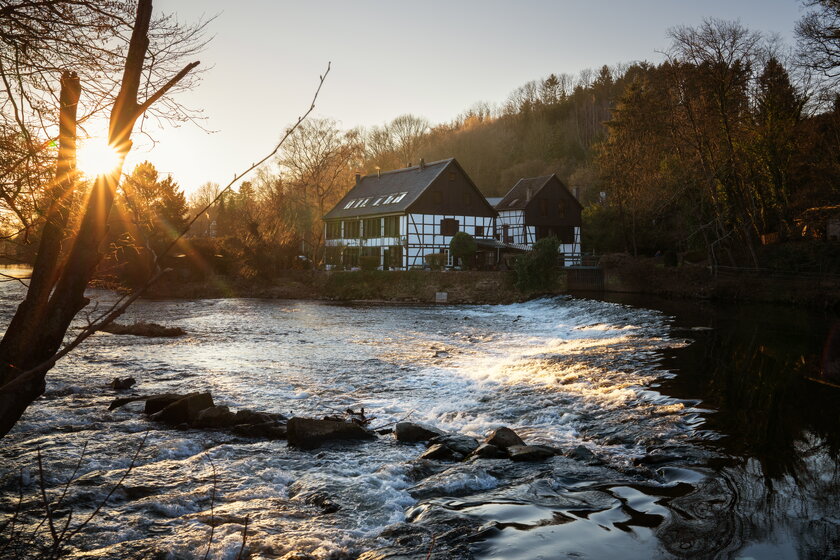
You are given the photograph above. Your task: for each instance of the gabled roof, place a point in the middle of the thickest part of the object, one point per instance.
(518, 197)
(404, 186)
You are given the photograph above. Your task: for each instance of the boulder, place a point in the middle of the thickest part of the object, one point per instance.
(581, 453)
(438, 451)
(488, 451)
(214, 417)
(122, 384)
(409, 432)
(503, 438)
(530, 452)
(247, 416)
(265, 430)
(457, 443)
(184, 410)
(309, 433)
(159, 402)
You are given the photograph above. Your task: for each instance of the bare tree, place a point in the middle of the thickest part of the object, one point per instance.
(59, 278)
(818, 34)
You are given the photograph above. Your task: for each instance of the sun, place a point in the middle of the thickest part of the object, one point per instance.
(95, 157)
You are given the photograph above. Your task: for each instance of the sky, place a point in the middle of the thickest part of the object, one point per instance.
(433, 59)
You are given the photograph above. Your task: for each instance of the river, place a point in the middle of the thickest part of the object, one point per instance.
(707, 439)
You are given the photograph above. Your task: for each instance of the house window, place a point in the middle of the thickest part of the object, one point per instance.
(392, 226)
(448, 226)
(351, 229)
(378, 201)
(479, 231)
(333, 231)
(399, 197)
(389, 199)
(351, 256)
(350, 203)
(372, 227)
(506, 237)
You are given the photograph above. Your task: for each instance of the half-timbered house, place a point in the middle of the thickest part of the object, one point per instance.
(539, 207)
(401, 216)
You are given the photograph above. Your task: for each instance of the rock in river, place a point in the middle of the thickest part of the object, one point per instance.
(409, 432)
(504, 438)
(309, 433)
(530, 452)
(183, 410)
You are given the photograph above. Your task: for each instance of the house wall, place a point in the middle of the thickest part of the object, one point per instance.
(424, 234)
(516, 230)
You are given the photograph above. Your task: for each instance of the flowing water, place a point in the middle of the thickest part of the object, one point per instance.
(706, 438)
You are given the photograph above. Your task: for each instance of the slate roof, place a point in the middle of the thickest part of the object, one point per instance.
(408, 181)
(517, 197)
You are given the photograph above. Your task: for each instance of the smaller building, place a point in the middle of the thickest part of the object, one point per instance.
(539, 207)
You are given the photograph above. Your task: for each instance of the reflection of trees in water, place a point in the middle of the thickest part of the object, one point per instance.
(737, 507)
(783, 429)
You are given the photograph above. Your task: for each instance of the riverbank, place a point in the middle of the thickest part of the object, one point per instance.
(621, 274)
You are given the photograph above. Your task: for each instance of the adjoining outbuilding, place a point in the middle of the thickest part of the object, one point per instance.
(539, 207)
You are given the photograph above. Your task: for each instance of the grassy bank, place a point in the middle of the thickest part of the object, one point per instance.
(622, 274)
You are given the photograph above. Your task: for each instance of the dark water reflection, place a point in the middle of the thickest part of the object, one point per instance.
(762, 372)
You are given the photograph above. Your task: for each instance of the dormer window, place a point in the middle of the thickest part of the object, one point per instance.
(399, 197)
(350, 204)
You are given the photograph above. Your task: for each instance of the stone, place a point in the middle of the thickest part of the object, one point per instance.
(309, 433)
(248, 416)
(409, 432)
(457, 443)
(503, 438)
(159, 402)
(184, 410)
(437, 451)
(266, 430)
(488, 451)
(122, 384)
(529, 452)
(214, 417)
(581, 453)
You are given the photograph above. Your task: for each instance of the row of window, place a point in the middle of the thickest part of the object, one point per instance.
(389, 226)
(377, 200)
(391, 257)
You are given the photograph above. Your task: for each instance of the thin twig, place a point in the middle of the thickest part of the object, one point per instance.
(212, 504)
(45, 501)
(114, 489)
(244, 537)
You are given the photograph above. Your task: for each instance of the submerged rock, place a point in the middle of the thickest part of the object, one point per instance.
(144, 329)
(582, 453)
(503, 438)
(409, 432)
(309, 433)
(183, 410)
(267, 430)
(122, 384)
(488, 451)
(439, 451)
(530, 452)
(159, 402)
(457, 443)
(214, 417)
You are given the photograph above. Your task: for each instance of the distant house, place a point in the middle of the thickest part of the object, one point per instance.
(403, 215)
(539, 207)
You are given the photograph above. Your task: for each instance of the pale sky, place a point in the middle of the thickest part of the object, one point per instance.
(432, 59)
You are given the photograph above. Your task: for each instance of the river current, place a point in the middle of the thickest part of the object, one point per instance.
(689, 432)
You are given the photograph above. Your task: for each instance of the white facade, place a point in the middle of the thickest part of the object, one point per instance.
(511, 228)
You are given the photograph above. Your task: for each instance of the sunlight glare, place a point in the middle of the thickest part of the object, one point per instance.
(95, 158)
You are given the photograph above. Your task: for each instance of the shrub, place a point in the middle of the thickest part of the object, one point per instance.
(435, 261)
(537, 270)
(463, 247)
(369, 262)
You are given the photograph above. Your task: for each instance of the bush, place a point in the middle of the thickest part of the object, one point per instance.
(435, 261)
(463, 247)
(537, 270)
(369, 262)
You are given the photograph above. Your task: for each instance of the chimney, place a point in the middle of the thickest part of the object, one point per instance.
(378, 172)
(422, 163)
(358, 177)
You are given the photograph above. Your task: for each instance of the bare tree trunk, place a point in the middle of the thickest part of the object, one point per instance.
(56, 293)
